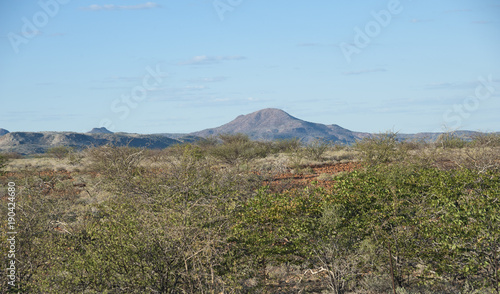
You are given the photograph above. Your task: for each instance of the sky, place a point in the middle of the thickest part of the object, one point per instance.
(181, 66)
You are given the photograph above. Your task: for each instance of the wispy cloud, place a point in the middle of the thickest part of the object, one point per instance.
(30, 34)
(482, 22)
(95, 7)
(417, 20)
(194, 88)
(457, 10)
(364, 71)
(309, 44)
(314, 44)
(204, 60)
(207, 80)
(57, 35)
(441, 85)
(455, 85)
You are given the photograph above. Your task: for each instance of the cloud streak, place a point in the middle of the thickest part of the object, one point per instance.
(205, 60)
(455, 85)
(364, 71)
(207, 80)
(483, 22)
(95, 7)
(309, 44)
(457, 10)
(417, 20)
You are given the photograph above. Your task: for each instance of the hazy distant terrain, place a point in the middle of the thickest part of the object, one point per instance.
(266, 124)
(39, 142)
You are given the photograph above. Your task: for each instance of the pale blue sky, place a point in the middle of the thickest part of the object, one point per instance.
(409, 66)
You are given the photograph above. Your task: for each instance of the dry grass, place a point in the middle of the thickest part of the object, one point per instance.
(42, 163)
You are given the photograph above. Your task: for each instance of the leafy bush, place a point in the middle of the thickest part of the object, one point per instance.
(206, 143)
(113, 160)
(44, 210)
(12, 155)
(446, 211)
(286, 145)
(3, 161)
(316, 149)
(486, 140)
(380, 148)
(59, 152)
(450, 140)
(192, 225)
(237, 148)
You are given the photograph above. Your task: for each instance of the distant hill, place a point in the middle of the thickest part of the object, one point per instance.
(102, 130)
(3, 132)
(272, 124)
(431, 137)
(31, 142)
(265, 124)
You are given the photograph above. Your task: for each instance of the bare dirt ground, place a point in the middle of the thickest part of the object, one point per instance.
(321, 174)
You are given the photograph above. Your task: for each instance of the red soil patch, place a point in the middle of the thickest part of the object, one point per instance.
(299, 180)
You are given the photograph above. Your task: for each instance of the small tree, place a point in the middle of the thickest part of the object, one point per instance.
(380, 148)
(59, 152)
(237, 148)
(316, 149)
(3, 161)
(450, 140)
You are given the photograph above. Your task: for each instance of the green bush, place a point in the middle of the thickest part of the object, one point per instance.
(450, 140)
(239, 148)
(286, 145)
(381, 148)
(3, 161)
(12, 155)
(59, 152)
(207, 143)
(486, 140)
(316, 149)
(192, 225)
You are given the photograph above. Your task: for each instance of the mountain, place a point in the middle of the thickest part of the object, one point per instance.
(265, 124)
(272, 124)
(102, 130)
(39, 142)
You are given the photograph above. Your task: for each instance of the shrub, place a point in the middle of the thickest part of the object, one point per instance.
(42, 217)
(12, 155)
(316, 149)
(59, 152)
(286, 145)
(237, 148)
(234, 139)
(118, 165)
(165, 233)
(487, 139)
(450, 140)
(206, 143)
(414, 144)
(3, 161)
(380, 148)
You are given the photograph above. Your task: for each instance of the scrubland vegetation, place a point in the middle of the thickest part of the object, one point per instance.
(231, 215)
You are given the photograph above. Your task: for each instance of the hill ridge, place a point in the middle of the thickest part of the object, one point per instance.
(264, 124)
(273, 123)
